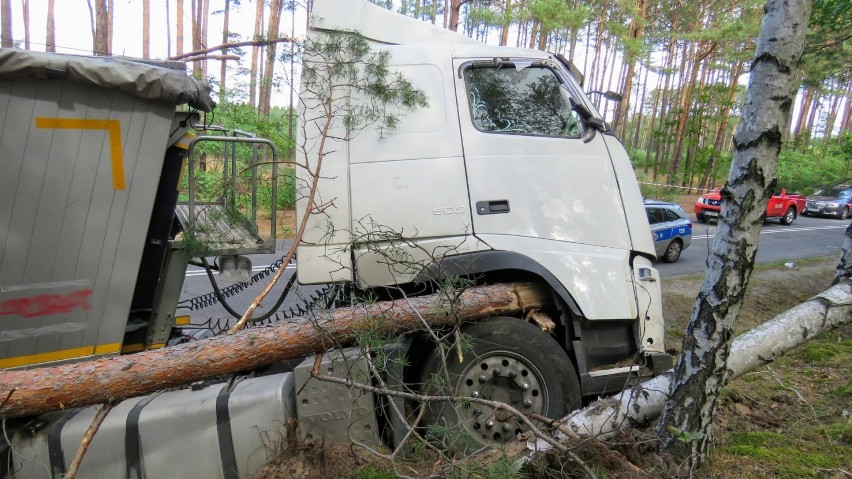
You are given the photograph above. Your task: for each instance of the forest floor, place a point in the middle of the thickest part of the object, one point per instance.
(789, 419)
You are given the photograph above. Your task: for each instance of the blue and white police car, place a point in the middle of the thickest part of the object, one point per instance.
(671, 229)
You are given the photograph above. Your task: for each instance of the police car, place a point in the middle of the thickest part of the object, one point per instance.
(670, 229)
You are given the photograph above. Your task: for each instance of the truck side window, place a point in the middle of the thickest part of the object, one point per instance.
(520, 101)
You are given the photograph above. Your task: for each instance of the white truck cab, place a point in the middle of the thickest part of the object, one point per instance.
(509, 174)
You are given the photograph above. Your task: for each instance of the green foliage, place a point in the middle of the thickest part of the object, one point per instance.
(785, 455)
(373, 471)
(501, 468)
(659, 192)
(345, 60)
(805, 172)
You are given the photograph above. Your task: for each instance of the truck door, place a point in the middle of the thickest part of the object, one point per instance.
(537, 186)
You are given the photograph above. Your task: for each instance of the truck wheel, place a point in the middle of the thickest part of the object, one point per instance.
(789, 216)
(673, 251)
(843, 213)
(506, 360)
(701, 218)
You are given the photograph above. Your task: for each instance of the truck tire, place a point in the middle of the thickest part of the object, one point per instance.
(843, 213)
(789, 216)
(673, 251)
(504, 359)
(701, 218)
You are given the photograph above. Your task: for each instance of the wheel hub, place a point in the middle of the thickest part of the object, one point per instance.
(506, 378)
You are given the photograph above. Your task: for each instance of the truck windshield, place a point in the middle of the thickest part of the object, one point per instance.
(525, 101)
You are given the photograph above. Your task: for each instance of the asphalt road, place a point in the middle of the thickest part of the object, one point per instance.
(806, 237)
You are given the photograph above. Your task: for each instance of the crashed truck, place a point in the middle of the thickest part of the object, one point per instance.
(509, 174)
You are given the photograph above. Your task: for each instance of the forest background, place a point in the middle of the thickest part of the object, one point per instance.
(680, 67)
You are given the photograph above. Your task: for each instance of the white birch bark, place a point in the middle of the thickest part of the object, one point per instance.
(702, 367)
(762, 345)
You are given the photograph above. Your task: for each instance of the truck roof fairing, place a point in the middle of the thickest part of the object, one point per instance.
(379, 25)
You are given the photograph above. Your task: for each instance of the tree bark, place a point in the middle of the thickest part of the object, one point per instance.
(40, 390)
(6, 23)
(25, 9)
(265, 99)
(179, 27)
(50, 40)
(255, 54)
(631, 55)
(146, 28)
(702, 368)
(103, 18)
(223, 71)
(762, 345)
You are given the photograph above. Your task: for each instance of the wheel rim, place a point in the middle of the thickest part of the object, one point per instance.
(505, 377)
(673, 252)
(844, 213)
(788, 218)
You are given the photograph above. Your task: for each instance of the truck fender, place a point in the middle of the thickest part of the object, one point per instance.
(482, 262)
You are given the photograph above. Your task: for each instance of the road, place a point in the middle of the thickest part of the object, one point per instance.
(806, 237)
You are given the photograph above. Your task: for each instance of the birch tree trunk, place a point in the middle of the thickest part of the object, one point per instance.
(762, 345)
(703, 368)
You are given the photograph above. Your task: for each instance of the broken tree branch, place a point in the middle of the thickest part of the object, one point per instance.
(225, 46)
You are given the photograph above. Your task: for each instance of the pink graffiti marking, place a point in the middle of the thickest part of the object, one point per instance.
(46, 304)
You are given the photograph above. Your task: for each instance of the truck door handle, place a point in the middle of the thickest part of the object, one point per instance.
(492, 207)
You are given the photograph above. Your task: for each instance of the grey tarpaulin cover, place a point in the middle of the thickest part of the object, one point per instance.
(142, 80)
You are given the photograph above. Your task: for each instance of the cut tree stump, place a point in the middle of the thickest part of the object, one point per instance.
(36, 391)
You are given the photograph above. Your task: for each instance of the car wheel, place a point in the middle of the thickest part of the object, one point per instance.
(843, 213)
(673, 251)
(789, 216)
(507, 360)
(701, 218)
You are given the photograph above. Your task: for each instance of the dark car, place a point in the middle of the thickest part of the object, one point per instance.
(671, 229)
(833, 200)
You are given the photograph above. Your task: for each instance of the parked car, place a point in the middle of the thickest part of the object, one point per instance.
(671, 229)
(835, 200)
(786, 207)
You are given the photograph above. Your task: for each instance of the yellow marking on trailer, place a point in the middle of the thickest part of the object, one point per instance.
(132, 348)
(113, 127)
(156, 345)
(60, 355)
(182, 320)
(107, 348)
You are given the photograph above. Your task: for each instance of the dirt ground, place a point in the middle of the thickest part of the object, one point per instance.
(790, 419)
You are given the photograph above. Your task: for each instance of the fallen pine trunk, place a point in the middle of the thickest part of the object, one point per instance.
(636, 406)
(36, 391)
